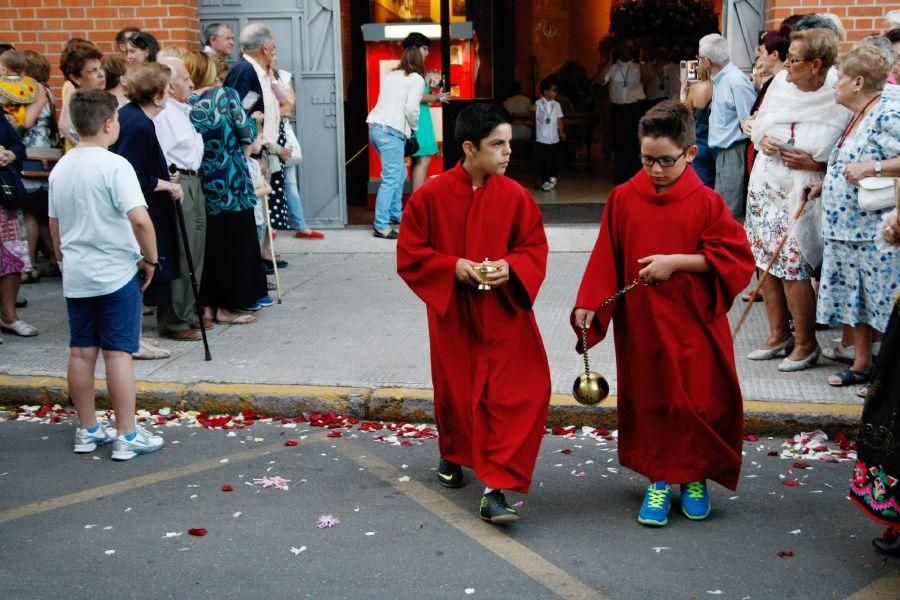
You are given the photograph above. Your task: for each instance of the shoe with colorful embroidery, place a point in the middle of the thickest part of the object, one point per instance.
(495, 509)
(657, 501)
(695, 500)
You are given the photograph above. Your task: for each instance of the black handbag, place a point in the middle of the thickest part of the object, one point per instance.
(411, 146)
(9, 191)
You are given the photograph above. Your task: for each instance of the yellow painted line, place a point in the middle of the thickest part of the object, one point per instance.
(794, 408)
(128, 485)
(490, 537)
(277, 389)
(887, 588)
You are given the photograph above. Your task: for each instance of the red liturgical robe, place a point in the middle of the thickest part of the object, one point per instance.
(488, 364)
(679, 403)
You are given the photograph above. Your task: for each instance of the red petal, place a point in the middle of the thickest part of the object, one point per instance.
(772, 453)
(334, 433)
(290, 443)
(566, 451)
(800, 465)
(785, 554)
(227, 488)
(751, 438)
(198, 531)
(790, 482)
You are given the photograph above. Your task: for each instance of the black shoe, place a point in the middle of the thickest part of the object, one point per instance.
(390, 235)
(889, 547)
(22, 303)
(450, 474)
(495, 509)
(268, 263)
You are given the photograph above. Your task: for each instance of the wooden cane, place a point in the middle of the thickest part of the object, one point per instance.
(272, 247)
(765, 274)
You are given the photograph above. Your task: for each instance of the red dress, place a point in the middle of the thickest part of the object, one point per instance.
(488, 364)
(679, 403)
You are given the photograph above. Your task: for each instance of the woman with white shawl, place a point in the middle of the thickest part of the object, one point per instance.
(796, 128)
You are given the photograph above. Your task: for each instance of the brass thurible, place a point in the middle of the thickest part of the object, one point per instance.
(590, 387)
(483, 270)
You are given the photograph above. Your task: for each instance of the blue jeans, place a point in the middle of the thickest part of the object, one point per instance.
(292, 198)
(389, 143)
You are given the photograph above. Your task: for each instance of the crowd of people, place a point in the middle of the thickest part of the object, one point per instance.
(167, 139)
(187, 117)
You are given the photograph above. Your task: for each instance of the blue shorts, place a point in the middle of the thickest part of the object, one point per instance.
(112, 322)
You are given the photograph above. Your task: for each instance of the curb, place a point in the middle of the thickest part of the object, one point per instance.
(398, 404)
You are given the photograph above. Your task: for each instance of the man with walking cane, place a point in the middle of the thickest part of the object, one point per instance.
(179, 317)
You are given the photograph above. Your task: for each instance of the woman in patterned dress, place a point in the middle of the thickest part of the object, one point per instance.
(795, 129)
(859, 282)
(233, 275)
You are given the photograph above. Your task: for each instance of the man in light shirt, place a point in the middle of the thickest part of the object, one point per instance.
(733, 97)
(183, 149)
(626, 93)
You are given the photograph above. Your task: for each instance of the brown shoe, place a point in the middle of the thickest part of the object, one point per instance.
(208, 323)
(187, 335)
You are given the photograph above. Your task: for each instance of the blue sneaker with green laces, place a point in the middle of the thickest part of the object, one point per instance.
(655, 509)
(695, 500)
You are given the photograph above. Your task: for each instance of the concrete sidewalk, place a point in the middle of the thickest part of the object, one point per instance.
(350, 335)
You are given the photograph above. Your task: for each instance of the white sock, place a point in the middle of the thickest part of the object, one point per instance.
(488, 490)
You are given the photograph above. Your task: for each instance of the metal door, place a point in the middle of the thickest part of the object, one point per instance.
(308, 37)
(743, 21)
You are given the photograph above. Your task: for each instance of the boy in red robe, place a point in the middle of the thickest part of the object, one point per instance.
(488, 364)
(680, 410)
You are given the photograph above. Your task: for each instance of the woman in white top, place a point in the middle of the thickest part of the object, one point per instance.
(395, 118)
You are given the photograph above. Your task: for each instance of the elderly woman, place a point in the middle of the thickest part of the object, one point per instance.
(13, 245)
(873, 486)
(858, 282)
(148, 89)
(233, 275)
(795, 129)
(81, 68)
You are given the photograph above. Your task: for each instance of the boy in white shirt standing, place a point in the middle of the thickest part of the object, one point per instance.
(104, 241)
(548, 133)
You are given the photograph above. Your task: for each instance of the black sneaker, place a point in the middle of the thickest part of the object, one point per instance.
(495, 509)
(450, 474)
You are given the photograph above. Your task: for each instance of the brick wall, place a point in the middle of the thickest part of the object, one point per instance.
(45, 25)
(860, 17)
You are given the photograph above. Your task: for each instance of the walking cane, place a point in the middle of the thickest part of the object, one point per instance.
(803, 203)
(272, 247)
(190, 261)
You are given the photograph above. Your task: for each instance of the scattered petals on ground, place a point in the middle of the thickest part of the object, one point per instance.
(276, 482)
(811, 445)
(197, 531)
(326, 521)
(227, 488)
(785, 554)
(295, 551)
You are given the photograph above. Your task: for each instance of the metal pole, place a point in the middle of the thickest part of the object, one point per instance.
(445, 43)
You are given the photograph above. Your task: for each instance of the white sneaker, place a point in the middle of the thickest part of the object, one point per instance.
(144, 442)
(85, 441)
(547, 186)
(552, 182)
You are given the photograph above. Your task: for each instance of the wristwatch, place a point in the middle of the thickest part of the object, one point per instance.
(878, 168)
(155, 265)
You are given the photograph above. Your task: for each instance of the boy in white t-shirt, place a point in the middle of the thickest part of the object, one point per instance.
(548, 133)
(106, 247)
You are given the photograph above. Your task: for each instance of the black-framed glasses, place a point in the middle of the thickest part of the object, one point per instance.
(664, 161)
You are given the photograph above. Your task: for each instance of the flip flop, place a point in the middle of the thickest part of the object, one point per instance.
(147, 351)
(241, 320)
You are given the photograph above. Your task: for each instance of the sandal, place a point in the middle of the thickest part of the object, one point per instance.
(20, 328)
(848, 377)
(863, 392)
(241, 320)
(32, 276)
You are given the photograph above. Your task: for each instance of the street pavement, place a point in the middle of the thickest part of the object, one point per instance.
(348, 320)
(82, 526)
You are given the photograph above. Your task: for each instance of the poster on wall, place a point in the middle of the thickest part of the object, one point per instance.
(458, 8)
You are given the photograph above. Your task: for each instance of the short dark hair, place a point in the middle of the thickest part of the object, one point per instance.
(14, 60)
(549, 82)
(145, 82)
(145, 41)
(476, 122)
(776, 41)
(213, 29)
(415, 39)
(893, 35)
(787, 26)
(4, 47)
(74, 56)
(125, 33)
(90, 109)
(669, 119)
(815, 21)
(114, 66)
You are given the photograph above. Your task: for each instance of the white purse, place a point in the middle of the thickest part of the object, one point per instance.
(878, 193)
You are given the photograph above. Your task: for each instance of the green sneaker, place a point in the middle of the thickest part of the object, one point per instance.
(450, 474)
(657, 501)
(695, 501)
(495, 509)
